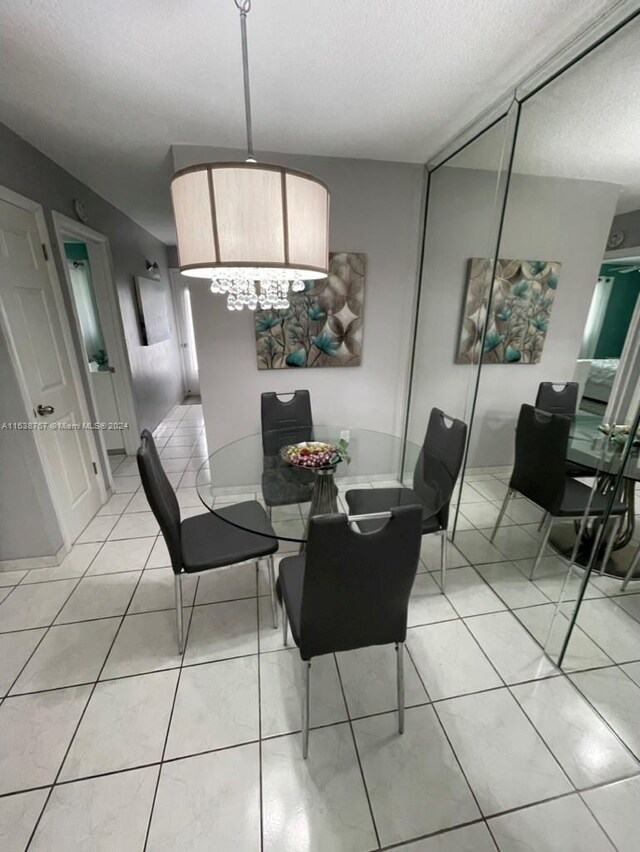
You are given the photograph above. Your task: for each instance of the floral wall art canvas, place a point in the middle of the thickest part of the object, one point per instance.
(323, 325)
(518, 316)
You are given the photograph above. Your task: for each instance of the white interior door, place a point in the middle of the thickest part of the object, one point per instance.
(35, 331)
(182, 303)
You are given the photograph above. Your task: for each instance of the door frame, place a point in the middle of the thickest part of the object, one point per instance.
(103, 280)
(176, 283)
(34, 207)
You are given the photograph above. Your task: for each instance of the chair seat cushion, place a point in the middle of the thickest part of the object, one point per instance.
(290, 583)
(365, 501)
(576, 499)
(208, 541)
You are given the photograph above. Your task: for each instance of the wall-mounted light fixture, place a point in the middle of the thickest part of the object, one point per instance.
(153, 270)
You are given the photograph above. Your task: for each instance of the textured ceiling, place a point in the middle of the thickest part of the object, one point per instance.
(585, 125)
(104, 88)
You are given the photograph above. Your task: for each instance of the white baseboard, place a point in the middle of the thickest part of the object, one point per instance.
(30, 562)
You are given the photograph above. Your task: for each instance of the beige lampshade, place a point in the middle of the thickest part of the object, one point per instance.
(251, 220)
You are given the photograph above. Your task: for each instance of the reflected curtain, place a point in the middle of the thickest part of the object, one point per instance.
(596, 317)
(86, 307)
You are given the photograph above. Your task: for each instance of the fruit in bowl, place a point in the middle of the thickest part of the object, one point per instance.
(313, 454)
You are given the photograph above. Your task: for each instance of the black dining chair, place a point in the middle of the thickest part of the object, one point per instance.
(434, 479)
(351, 590)
(562, 398)
(207, 541)
(285, 421)
(539, 474)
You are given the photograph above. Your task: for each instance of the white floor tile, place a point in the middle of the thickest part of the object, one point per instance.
(156, 590)
(483, 515)
(490, 489)
(414, 781)
(126, 484)
(159, 557)
(137, 525)
(449, 661)
(34, 606)
(102, 596)
(318, 805)
(515, 543)
(585, 747)
(12, 578)
(616, 632)
(98, 529)
(427, 604)
(73, 565)
(472, 838)
(513, 652)
(469, 594)
(18, 816)
(550, 577)
(145, 643)
(227, 584)
(476, 548)
(561, 826)
(430, 553)
(281, 692)
(505, 760)
(124, 725)
(126, 555)
(116, 505)
(617, 698)
(15, 650)
(629, 603)
(582, 652)
(68, 655)
(511, 585)
(216, 707)
(208, 802)
(524, 512)
(616, 808)
(35, 731)
(138, 503)
(222, 630)
(369, 680)
(100, 814)
(632, 670)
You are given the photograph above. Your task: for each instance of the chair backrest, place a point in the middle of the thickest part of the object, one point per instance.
(558, 399)
(541, 455)
(439, 462)
(285, 421)
(161, 497)
(357, 585)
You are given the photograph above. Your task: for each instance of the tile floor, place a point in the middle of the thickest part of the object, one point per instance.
(111, 741)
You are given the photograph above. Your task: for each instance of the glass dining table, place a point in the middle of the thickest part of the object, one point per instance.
(292, 494)
(592, 448)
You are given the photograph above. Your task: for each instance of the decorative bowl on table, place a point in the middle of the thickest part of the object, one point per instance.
(314, 455)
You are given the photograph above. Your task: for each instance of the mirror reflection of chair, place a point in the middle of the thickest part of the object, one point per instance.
(562, 398)
(539, 474)
(285, 422)
(207, 541)
(434, 479)
(351, 590)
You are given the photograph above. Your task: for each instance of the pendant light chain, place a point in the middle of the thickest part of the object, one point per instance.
(244, 7)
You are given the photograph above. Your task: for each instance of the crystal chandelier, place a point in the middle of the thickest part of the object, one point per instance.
(254, 229)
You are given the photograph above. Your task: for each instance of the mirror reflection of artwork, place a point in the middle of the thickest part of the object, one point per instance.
(323, 325)
(519, 314)
(154, 311)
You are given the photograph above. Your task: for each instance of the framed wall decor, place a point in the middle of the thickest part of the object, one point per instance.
(153, 310)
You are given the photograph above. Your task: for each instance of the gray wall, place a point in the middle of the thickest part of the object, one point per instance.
(27, 523)
(547, 219)
(630, 224)
(375, 209)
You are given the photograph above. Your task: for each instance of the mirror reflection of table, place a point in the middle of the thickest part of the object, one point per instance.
(240, 471)
(591, 447)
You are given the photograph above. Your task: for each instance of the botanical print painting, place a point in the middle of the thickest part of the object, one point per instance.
(518, 317)
(323, 325)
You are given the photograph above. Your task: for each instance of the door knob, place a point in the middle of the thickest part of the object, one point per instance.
(43, 410)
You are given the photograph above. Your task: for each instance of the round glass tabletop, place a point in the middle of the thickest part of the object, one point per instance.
(384, 469)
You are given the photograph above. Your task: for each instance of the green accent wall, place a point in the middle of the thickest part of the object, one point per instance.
(620, 308)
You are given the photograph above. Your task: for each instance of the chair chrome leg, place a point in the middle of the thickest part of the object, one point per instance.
(443, 559)
(632, 567)
(272, 592)
(400, 673)
(306, 670)
(543, 544)
(177, 585)
(542, 521)
(285, 624)
(610, 542)
(503, 509)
